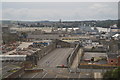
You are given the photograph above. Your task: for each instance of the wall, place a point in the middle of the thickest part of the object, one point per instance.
(112, 61)
(94, 49)
(119, 61)
(94, 66)
(71, 57)
(34, 58)
(63, 44)
(43, 37)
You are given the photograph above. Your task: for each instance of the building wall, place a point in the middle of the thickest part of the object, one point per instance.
(46, 50)
(62, 44)
(113, 46)
(6, 29)
(34, 58)
(112, 61)
(119, 61)
(43, 37)
(7, 38)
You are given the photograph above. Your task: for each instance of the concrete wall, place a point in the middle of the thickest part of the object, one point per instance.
(43, 37)
(33, 59)
(118, 60)
(94, 50)
(96, 67)
(113, 46)
(46, 50)
(62, 44)
(72, 56)
(112, 61)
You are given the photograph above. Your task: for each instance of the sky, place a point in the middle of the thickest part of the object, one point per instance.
(66, 11)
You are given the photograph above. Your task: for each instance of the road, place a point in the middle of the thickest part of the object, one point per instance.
(53, 73)
(56, 57)
(6, 66)
(49, 62)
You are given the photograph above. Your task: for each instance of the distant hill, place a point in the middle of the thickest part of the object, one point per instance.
(98, 23)
(106, 23)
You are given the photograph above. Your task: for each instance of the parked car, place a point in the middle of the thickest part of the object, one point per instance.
(87, 60)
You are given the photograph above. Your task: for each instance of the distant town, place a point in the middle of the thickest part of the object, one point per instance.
(60, 49)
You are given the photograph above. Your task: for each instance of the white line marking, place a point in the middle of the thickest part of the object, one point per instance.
(79, 75)
(44, 75)
(56, 76)
(35, 75)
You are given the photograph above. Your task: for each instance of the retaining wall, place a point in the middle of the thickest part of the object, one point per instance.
(72, 56)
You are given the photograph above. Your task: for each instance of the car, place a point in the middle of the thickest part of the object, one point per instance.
(62, 66)
(87, 60)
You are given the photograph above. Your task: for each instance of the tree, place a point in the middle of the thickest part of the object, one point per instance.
(112, 75)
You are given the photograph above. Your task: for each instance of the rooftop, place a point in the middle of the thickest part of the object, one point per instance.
(113, 55)
(25, 44)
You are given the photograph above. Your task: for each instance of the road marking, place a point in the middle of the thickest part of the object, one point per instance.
(44, 75)
(50, 56)
(79, 75)
(35, 75)
(4, 67)
(63, 76)
(97, 75)
(59, 60)
(68, 77)
(56, 76)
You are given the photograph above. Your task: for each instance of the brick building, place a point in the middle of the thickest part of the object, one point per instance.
(112, 59)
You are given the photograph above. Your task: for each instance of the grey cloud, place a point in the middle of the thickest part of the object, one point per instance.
(55, 11)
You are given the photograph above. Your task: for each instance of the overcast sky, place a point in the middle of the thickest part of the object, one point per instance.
(55, 11)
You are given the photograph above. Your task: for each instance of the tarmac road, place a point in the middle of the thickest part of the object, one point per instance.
(49, 63)
(56, 57)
